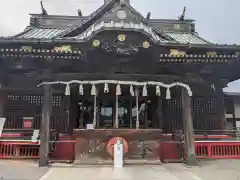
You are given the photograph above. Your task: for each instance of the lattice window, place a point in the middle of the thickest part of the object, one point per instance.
(205, 113)
(56, 101)
(14, 97)
(35, 100)
(172, 112)
(30, 105)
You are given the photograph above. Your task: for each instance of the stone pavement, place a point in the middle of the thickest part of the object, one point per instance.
(207, 170)
(20, 170)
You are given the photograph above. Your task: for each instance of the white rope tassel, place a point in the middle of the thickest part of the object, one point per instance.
(168, 94)
(118, 90)
(131, 90)
(81, 92)
(213, 87)
(67, 90)
(158, 90)
(144, 91)
(106, 88)
(93, 90)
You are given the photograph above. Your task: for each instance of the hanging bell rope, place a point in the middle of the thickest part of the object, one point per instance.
(168, 94)
(81, 92)
(118, 90)
(67, 90)
(131, 90)
(158, 90)
(93, 90)
(144, 91)
(106, 88)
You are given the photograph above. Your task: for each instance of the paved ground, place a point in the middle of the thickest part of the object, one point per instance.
(19, 170)
(207, 170)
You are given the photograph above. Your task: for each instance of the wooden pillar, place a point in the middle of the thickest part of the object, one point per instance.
(44, 131)
(221, 108)
(68, 112)
(145, 114)
(3, 97)
(2, 100)
(73, 109)
(94, 111)
(130, 111)
(159, 113)
(98, 113)
(188, 128)
(137, 108)
(116, 124)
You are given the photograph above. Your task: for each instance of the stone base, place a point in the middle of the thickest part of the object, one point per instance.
(191, 160)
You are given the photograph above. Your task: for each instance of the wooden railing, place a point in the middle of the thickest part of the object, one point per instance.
(218, 150)
(64, 150)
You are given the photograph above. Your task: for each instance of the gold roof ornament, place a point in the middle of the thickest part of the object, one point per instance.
(212, 54)
(121, 37)
(26, 48)
(79, 13)
(64, 48)
(177, 53)
(96, 43)
(146, 44)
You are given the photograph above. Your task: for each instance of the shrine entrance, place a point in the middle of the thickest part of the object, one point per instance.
(121, 111)
(106, 113)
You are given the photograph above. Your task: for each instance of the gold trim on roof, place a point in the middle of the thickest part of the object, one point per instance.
(177, 53)
(64, 48)
(212, 54)
(26, 48)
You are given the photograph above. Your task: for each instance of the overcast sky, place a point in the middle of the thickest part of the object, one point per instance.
(216, 20)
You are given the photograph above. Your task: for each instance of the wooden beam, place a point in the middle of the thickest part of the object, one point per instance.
(188, 128)
(44, 131)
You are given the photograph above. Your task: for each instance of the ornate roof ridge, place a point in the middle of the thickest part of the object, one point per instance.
(100, 12)
(122, 25)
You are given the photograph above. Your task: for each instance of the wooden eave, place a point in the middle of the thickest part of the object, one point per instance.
(233, 47)
(47, 49)
(58, 16)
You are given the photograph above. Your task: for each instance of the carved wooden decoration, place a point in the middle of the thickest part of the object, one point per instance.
(64, 48)
(212, 54)
(177, 53)
(26, 48)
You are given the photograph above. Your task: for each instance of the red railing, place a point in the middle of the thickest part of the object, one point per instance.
(19, 150)
(218, 150)
(65, 150)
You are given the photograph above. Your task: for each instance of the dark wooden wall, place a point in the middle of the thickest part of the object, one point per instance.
(205, 112)
(18, 105)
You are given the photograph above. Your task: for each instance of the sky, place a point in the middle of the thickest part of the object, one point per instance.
(218, 21)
